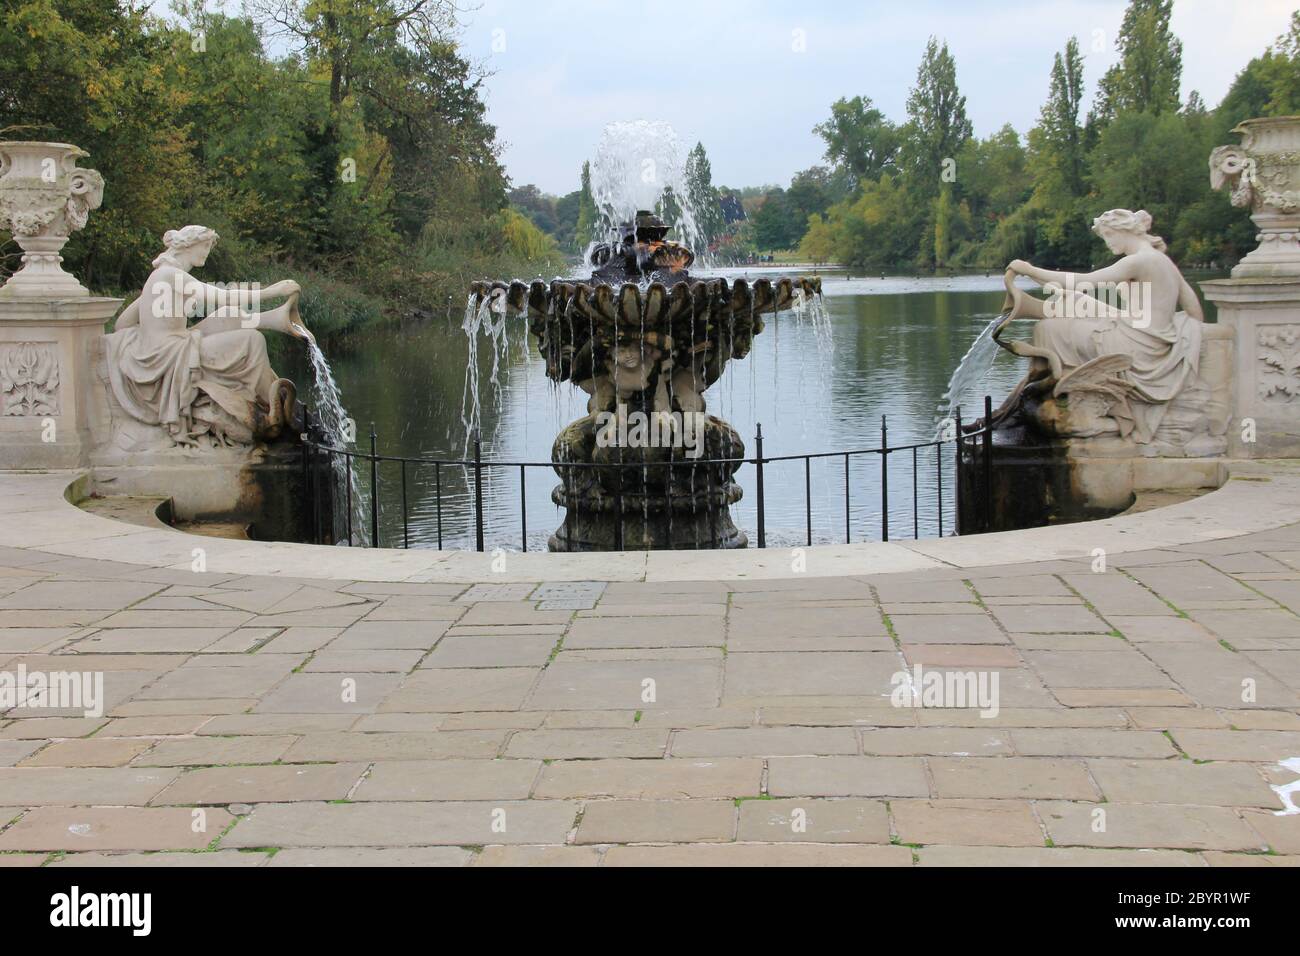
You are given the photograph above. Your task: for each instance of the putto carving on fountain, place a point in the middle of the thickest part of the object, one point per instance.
(1263, 175)
(205, 385)
(1115, 353)
(44, 198)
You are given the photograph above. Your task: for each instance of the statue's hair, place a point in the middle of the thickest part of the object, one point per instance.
(1124, 220)
(185, 237)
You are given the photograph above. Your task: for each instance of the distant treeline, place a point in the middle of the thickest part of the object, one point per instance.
(926, 194)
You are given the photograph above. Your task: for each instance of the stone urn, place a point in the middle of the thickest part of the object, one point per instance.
(44, 198)
(1263, 174)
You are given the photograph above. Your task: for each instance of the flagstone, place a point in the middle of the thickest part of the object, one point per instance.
(966, 822)
(816, 673)
(1073, 856)
(847, 777)
(1216, 677)
(442, 690)
(71, 786)
(1087, 742)
(484, 651)
(450, 823)
(539, 856)
(1147, 825)
(91, 752)
(215, 858)
(421, 856)
(390, 635)
(1260, 746)
(338, 693)
(816, 820)
(576, 744)
(673, 778)
(50, 728)
(942, 741)
(345, 661)
(622, 685)
(657, 821)
(449, 780)
(1011, 778)
(765, 742)
(395, 746)
(948, 629)
(114, 828)
(265, 784)
(1183, 781)
(690, 631)
(207, 751)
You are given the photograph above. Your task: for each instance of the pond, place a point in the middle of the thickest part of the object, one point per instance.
(895, 342)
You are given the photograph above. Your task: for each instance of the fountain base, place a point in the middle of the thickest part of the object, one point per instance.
(646, 497)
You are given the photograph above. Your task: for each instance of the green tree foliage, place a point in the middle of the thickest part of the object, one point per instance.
(937, 126)
(1148, 74)
(859, 140)
(703, 198)
(588, 215)
(362, 162)
(1035, 199)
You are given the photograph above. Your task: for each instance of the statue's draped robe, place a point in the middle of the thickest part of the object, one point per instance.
(1165, 358)
(193, 385)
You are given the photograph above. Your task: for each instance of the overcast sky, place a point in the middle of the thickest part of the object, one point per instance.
(750, 78)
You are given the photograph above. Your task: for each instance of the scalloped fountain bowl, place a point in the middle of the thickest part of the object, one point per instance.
(645, 339)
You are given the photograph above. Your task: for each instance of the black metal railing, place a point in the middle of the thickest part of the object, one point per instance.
(325, 467)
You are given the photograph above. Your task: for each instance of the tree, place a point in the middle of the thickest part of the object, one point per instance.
(937, 125)
(588, 215)
(819, 241)
(776, 225)
(701, 196)
(859, 139)
(1148, 75)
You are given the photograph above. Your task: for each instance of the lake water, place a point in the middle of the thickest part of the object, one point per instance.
(895, 344)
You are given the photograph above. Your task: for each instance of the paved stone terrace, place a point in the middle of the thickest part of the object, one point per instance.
(697, 722)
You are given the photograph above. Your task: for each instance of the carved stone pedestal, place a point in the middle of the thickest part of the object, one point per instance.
(1264, 314)
(46, 379)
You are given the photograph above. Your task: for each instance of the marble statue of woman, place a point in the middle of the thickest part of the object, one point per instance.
(1129, 333)
(210, 383)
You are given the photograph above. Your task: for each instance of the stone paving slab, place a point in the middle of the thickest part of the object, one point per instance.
(410, 709)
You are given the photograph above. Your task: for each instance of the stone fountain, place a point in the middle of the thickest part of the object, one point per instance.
(645, 339)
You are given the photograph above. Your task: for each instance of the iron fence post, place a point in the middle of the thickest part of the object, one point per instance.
(807, 495)
(374, 487)
(988, 464)
(956, 479)
(884, 479)
(478, 492)
(437, 495)
(848, 529)
(938, 476)
(347, 476)
(406, 527)
(758, 465)
(523, 508)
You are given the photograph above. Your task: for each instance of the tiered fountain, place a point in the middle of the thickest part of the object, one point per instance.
(644, 339)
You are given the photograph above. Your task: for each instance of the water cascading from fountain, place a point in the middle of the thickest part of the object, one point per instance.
(969, 374)
(339, 430)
